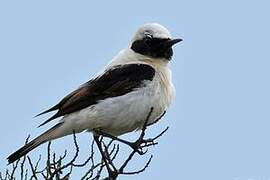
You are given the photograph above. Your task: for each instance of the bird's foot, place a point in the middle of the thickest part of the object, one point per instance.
(140, 144)
(137, 146)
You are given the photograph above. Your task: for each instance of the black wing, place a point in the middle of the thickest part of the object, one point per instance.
(116, 81)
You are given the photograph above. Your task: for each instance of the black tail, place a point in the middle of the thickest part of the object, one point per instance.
(48, 135)
(23, 151)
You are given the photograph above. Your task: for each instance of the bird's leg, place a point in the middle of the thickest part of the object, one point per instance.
(102, 133)
(137, 146)
(140, 143)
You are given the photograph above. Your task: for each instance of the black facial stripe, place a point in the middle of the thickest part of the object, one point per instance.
(153, 47)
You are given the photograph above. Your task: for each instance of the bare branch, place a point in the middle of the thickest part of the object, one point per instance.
(136, 146)
(110, 152)
(141, 170)
(34, 175)
(14, 167)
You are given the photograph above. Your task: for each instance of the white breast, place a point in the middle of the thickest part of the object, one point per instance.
(163, 76)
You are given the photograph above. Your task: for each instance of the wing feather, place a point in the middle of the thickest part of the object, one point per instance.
(116, 81)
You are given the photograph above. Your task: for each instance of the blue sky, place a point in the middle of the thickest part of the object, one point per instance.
(219, 121)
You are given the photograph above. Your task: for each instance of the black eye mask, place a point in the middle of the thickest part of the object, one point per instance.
(153, 47)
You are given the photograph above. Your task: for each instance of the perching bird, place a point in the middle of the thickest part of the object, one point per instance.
(118, 99)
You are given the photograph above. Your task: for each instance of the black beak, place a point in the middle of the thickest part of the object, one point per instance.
(172, 42)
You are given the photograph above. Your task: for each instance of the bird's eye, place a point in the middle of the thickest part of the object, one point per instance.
(149, 36)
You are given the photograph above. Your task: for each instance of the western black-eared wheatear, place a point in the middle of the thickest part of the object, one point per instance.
(118, 99)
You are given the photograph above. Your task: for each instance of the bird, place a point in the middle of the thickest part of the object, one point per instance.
(117, 99)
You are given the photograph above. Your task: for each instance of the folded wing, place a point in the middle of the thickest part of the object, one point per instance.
(116, 81)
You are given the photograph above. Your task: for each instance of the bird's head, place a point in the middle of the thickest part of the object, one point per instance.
(153, 40)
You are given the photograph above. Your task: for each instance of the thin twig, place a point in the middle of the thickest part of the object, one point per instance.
(141, 170)
(34, 175)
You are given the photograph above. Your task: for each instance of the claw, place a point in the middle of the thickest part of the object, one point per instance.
(140, 152)
(145, 151)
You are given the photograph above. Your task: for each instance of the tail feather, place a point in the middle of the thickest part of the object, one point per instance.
(54, 108)
(22, 151)
(48, 135)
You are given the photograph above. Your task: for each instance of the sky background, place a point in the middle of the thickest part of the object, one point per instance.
(219, 121)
